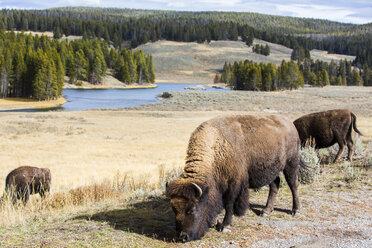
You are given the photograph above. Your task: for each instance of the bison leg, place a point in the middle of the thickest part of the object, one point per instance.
(242, 202)
(350, 146)
(227, 220)
(341, 144)
(24, 195)
(229, 200)
(292, 181)
(274, 188)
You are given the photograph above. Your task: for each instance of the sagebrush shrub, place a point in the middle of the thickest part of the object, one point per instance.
(359, 149)
(310, 172)
(350, 172)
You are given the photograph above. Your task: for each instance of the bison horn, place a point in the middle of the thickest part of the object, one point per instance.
(200, 191)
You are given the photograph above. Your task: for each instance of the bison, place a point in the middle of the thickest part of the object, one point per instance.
(26, 180)
(327, 128)
(225, 157)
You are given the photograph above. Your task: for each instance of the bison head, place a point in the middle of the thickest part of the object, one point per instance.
(46, 178)
(189, 204)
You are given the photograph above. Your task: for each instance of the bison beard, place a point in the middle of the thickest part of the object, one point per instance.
(226, 156)
(328, 128)
(26, 180)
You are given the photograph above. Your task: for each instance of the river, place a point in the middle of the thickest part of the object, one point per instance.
(82, 99)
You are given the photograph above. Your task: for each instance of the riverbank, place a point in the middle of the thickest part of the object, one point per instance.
(104, 86)
(24, 103)
(288, 102)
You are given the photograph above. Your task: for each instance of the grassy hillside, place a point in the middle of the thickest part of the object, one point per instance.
(194, 62)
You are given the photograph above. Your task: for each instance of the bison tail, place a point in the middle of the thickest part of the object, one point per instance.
(353, 117)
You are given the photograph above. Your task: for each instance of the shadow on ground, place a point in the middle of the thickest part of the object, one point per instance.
(257, 209)
(153, 218)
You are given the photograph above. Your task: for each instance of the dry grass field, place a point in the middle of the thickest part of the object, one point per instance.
(109, 169)
(192, 62)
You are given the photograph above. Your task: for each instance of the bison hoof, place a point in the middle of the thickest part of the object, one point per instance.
(295, 213)
(219, 226)
(263, 214)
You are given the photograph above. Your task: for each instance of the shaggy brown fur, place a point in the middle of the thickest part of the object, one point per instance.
(226, 156)
(328, 128)
(26, 180)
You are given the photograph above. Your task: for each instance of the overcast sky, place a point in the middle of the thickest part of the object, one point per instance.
(349, 11)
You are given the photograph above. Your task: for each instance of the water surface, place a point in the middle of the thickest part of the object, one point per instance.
(82, 99)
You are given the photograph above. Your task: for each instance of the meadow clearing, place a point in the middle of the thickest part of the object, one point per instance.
(109, 168)
(191, 62)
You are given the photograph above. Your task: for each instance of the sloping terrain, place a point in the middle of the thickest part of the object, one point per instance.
(193, 62)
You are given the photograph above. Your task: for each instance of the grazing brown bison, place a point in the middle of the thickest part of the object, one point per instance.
(328, 128)
(226, 156)
(26, 180)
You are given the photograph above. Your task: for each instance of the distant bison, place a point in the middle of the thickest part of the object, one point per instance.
(328, 128)
(226, 156)
(26, 180)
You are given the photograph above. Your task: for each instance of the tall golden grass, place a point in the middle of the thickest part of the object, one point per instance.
(95, 156)
(121, 187)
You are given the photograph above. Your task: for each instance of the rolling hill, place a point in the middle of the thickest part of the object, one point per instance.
(186, 62)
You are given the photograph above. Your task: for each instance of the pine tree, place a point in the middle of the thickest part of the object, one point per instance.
(367, 77)
(254, 79)
(267, 82)
(356, 77)
(81, 66)
(132, 68)
(3, 81)
(312, 78)
(60, 73)
(266, 50)
(339, 80)
(324, 78)
(150, 67)
(41, 77)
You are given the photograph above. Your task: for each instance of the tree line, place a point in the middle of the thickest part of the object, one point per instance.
(35, 66)
(30, 67)
(320, 73)
(247, 75)
(256, 20)
(122, 26)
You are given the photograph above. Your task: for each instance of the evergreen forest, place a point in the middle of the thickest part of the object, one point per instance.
(136, 27)
(247, 75)
(35, 66)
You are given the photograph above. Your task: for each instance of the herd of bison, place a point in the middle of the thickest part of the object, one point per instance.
(225, 157)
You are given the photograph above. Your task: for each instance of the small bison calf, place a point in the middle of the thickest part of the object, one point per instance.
(26, 180)
(328, 128)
